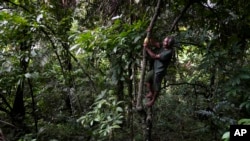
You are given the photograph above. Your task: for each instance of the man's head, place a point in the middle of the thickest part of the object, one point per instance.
(168, 42)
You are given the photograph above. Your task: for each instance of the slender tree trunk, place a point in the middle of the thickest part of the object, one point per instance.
(33, 105)
(146, 114)
(64, 11)
(131, 97)
(72, 101)
(18, 109)
(143, 70)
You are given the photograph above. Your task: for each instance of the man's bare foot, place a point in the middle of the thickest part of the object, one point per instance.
(150, 103)
(149, 95)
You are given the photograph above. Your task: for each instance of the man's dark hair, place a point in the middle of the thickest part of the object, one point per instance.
(171, 41)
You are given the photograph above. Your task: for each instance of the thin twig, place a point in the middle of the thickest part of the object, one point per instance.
(177, 19)
(21, 6)
(185, 83)
(5, 8)
(7, 123)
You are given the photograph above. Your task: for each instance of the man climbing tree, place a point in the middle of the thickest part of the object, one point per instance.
(161, 59)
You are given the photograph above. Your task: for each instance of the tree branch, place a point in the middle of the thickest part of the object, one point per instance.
(6, 103)
(191, 43)
(186, 83)
(76, 60)
(147, 114)
(72, 56)
(21, 6)
(184, 10)
(3, 8)
(7, 123)
(141, 83)
(207, 90)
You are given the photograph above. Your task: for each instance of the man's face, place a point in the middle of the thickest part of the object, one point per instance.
(165, 42)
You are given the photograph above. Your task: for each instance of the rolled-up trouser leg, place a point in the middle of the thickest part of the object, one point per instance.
(158, 77)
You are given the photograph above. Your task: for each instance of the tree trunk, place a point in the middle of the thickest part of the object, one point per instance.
(18, 109)
(141, 83)
(64, 11)
(146, 114)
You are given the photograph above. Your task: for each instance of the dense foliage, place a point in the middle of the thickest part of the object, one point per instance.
(70, 69)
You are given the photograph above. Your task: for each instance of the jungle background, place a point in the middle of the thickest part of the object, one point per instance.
(70, 69)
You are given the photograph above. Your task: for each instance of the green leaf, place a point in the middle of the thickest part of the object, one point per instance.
(118, 121)
(244, 76)
(226, 136)
(137, 1)
(119, 109)
(244, 121)
(31, 75)
(91, 123)
(98, 118)
(39, 17)
(74, 47)
(116, 126)
(136, 39)
(27, 75)
(1, 17)
(33, 53)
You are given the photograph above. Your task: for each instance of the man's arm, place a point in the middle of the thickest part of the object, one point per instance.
(151, 53)
(154, 43)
